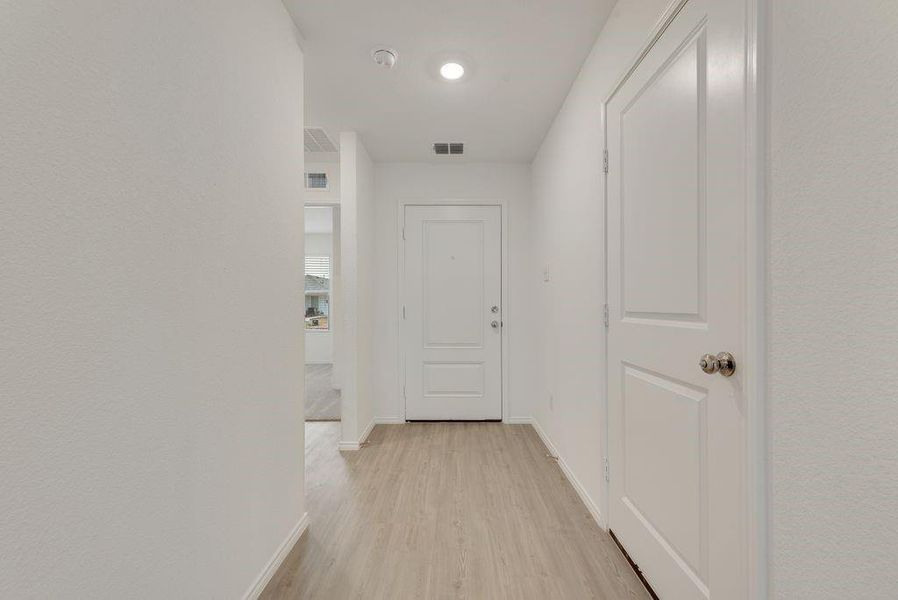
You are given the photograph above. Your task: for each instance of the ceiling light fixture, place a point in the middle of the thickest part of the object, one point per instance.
(452, 71)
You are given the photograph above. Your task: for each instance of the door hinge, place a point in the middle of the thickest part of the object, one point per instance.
(606, 316)
(607, 470)
(403, 311)
(605, 161)
(403, 230)
(404, 395)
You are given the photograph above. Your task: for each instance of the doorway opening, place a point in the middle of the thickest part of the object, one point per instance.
(322, 269)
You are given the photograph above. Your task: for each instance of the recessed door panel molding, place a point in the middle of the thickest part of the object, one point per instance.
(454, 379)
(676, 206)
(452, 306)
(453, 284)
(664, 444)
(665, 279)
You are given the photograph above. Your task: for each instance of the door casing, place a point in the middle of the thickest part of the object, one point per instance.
(506, 300)
(753, 366)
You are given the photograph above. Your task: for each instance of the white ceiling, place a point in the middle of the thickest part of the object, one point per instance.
(521, 57)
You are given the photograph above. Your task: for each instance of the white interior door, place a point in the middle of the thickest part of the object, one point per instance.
(676, 277)
(452, 325)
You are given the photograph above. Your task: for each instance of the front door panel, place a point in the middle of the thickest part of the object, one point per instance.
(453, 279)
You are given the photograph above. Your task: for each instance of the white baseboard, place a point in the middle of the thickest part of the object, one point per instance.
(519, 421)
(353, 446)
(389, 420)
(591, 506)
(255, 590)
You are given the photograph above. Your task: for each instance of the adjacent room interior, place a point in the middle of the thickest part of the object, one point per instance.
(322, 401)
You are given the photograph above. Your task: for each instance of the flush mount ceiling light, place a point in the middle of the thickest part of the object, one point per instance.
(452, 71)
(385, 57)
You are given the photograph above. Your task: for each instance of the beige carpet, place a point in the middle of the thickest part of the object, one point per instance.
(322, 400)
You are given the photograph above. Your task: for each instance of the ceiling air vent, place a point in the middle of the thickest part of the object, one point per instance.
(448, 148)
(316, 140)
(316, 181)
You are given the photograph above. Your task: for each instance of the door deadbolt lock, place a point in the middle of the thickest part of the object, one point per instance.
(494, 309)
(723, 363)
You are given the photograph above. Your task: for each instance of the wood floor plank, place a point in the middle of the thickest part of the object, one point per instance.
(446, 510)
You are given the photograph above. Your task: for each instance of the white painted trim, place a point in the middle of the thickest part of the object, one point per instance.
(322, 202)
(255, 590)
(389, 420)
(354, 446)
(755, 378)
(367, 432)
(506, 296)
(519, 421)
(663, 22)
(755, 324)
(588, 502)
(297, 32)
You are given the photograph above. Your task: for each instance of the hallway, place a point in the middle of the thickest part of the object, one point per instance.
(403, 300)
(472, 510)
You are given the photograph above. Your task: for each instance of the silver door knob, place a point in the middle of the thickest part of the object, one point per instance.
(494, 324)
(723, 363)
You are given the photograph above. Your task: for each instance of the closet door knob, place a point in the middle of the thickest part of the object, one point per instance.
(723, 363)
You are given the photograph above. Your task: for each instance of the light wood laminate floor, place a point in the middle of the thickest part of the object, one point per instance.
(322, 400)
(446, 510)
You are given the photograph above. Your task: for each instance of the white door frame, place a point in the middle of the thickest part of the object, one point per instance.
(753, 366)
(505, 301)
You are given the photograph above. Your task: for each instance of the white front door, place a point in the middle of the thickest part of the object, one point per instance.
(676, 279)
(452, 325)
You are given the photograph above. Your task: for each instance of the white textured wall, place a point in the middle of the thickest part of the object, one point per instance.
(568, 236)
(332, 194)
(357, 233)
(367, 283)
(319, 244)
(833, 312)
(319, 347)
(470, 181)
(151, 439)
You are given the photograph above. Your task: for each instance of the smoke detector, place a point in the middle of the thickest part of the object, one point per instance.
(385, 57)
